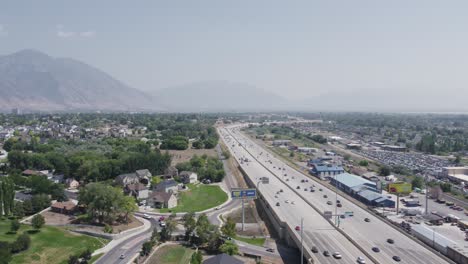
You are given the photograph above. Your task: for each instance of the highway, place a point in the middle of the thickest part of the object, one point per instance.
(318, 231)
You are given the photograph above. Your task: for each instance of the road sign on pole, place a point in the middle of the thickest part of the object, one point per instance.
(243, 193)
(328, 214)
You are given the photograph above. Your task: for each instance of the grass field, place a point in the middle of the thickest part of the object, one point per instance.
(50, 245)
(171, 254)
(253, 241)
(199, 197)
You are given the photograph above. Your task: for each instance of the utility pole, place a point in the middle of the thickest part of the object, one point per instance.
(336, 199)
(243, 215)
(426, 192)
(302, 240)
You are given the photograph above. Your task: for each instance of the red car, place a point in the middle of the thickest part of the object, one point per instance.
(298, 228)
(161, 218)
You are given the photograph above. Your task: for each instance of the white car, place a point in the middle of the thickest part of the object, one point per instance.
(146, 216)
(361, 260)
(287, 201)
(337, 255)
(122, 256)
(162, 224)
(293, 202)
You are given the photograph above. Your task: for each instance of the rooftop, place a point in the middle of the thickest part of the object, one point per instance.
(352, 180)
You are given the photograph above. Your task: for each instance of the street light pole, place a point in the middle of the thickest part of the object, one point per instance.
(336, 199)
(425, 185)
(302, 240)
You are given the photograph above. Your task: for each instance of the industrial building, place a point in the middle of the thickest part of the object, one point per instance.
(456, 174)
(394, 148)
(281, 142)
(363, 190)
(324, 172)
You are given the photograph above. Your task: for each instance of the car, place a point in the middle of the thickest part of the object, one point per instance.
(312, 190)
(298, 228)
(338, 205)
(390, 241)
(361, 260)
(277, 204)
(320, 189)
(285, 174)
(314, 249)
(376, 249)
(272, 250)
(337, 255)
(307, 180)
(287, 179)
(122, 256)
(281, 190)
(342, 216)
(162, 224)
(338, 201)
(293, 202)
(146, 216)
(305, 189)
(287, 201)
(276, 196)
(326, 253)
(325, 196)
(161, 218)
(217, 208)
(298, 187)
(302, 180)
(366, 220)
(329, 203)
(274, 167)
(396, 258)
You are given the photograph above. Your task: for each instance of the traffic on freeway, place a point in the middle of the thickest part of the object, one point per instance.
(380, 240)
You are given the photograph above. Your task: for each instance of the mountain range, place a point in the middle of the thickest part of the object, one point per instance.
(33, 81)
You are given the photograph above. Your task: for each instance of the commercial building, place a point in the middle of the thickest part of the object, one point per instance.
(456, 174)
(281, 142)
(325, 171)
(363, 190)
(353, 146)
(394, 148)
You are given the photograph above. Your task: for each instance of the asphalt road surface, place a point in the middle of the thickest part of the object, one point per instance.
(318, 232)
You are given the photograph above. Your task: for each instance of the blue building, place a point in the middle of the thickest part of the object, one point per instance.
(325, 171)
(361, 189)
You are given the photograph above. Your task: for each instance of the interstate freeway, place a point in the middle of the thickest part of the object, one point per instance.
(319, 232)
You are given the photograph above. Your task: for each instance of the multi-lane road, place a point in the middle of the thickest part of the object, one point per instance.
(319, 232)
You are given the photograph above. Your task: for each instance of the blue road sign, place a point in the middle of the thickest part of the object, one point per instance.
(243, 193)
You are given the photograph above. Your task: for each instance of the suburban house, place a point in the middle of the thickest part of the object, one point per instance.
(31, 172)
(57, 178)
(223, 259)
(167, 186)
(162, 200)
(188, 177)
(171, 172)
(68, 207)
(71, 183)
(137, 190)
(140, 176)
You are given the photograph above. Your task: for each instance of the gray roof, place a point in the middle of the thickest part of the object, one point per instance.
(352, 180)
(222, 259)
(161, 196)
(167, 184)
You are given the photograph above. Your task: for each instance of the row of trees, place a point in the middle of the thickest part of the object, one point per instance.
(106, 204)
(21, 243)
(7, 196)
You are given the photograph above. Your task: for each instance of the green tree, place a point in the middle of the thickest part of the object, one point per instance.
(229, 248)
(363, 163)
(417, 182)
(384, 171)
(15, 226)
(37, 221)
(190, 224)
(5, 252)
(18, 209)
(21, 243)
(229, 228)
(196, 258)
(146, 248)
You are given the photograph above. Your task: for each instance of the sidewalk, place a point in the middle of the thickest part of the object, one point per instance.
(146, 226)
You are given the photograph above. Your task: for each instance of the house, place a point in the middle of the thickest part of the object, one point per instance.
(71, 183)
(68, 207)
(171, 172)
(22, 196)
(31, 172)
(188, 177)
(58, 178)
(162, 200)
(223, 259)
(139, 176)
(137, 190)
(169, 186)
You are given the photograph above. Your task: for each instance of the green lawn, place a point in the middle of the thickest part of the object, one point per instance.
(50, 244)
(199, 197)
(253, 241)
(171, 254)
(94, 258)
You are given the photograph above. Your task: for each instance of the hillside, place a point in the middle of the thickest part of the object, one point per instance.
(34, 81)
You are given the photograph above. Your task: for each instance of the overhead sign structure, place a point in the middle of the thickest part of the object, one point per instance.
(328, 214)
(243, 193)
(399, 187)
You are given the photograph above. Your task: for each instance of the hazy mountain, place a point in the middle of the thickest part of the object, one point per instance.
(32, 80)
(218, 96)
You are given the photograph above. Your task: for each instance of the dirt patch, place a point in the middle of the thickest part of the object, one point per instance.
(249, 215)
(133, 222)
(185, 155)
(52, 218)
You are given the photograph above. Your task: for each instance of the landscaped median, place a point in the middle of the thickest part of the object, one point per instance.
(198, 198)
(49, 244)
(171, 254)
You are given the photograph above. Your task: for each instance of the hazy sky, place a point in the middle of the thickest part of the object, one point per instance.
(293, 48)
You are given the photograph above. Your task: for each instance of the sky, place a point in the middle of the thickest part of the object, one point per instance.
(297, 49)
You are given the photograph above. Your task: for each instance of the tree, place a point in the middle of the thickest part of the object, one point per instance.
(229, 248)
(363, 163)
(196, 258)
(446, 187)
(384, 171)
(128, 206)
(5, 252)
(22, 243)
(15, 226)
(457, 159)
(229, 228)
(37, 221)
(86, 255)
(7, 194)
(73, 259)
(18, 209)
(155, 236)
(146, 248)
(166, 231)
(190, 224)
(347, 157)
(417, 182)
